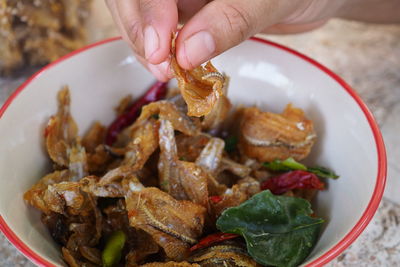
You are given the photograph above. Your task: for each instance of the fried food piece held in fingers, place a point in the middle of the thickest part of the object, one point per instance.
(201, 87)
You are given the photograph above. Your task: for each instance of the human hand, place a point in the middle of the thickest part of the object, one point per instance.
(211, 27)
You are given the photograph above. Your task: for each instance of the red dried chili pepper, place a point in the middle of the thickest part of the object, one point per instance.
(292, 180)
(211, 239)
(156, 92)
(215, 199)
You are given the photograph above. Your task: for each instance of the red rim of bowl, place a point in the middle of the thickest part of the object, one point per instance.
(323, 259)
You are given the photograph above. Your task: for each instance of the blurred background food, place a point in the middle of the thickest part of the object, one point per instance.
(36, 32)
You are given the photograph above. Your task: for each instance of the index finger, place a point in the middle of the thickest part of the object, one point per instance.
(160, 20)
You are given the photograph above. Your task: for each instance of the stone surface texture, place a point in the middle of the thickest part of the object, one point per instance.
(367, 56)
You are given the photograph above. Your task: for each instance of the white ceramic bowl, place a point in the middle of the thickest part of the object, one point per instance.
(261, 72)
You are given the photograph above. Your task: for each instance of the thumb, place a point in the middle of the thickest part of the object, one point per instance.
(222, 24)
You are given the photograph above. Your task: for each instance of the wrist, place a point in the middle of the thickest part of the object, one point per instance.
(347, 7)
(311, 11)
(376, 11)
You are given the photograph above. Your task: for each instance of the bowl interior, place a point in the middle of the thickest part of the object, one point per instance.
(261, 75)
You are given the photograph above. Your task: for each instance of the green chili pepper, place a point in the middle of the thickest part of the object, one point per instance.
(323, 172)
(290, 164)
(112, 251)
(285, 165)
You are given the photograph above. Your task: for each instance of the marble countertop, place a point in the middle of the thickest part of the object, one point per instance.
(367, 56)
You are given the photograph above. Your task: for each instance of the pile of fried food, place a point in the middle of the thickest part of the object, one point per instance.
(176, 181)
(36, 32)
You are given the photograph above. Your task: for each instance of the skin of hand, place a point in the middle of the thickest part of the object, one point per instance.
(212, 27)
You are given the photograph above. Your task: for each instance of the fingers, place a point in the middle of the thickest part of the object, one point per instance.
(294, 28)
(112, 6)
(161, 72)
(147, 26)
(213, 26)
(220, 25)
(126, 15)
(160, 20)
(188, 8)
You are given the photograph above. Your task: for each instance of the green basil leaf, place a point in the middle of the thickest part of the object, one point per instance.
(323, 172)
(278, 229)
(288, 164)
(231, 143)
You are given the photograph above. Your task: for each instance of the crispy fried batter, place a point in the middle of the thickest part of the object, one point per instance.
(211, 156)
(61, 131)
(99, 160)
(77, 162)
(220, 111)
(234, 167)
(249, 185)
(139, 243)
(170, 264)
(67, 198)
(173, 224)
(169, 111)
(236, 195)
(190, 147)
(93, 255)
(210, 160)
(182, 180)
(228, 253)
(165, 182)
(231, 198)
(116, 174)
(35, 195)
(94, 137)
(123, 105)
(91, 185)
(69, 258)
(55, 193)
(144, 246)
(144, 141)
(267, 136)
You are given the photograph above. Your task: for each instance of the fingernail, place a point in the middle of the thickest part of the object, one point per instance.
(151, 41)
(198, 48)
(161, 71)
